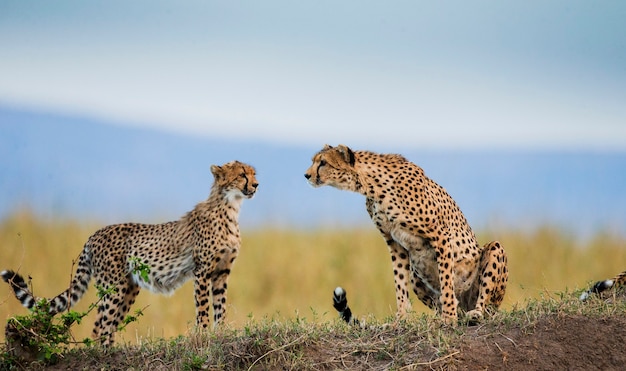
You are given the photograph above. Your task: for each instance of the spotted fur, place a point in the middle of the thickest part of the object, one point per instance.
(202, 245)
(431, 244)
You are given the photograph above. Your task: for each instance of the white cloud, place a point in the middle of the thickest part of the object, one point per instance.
(424, 77)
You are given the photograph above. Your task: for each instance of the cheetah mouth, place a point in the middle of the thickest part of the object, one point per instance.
(317, 182)
(247, 193)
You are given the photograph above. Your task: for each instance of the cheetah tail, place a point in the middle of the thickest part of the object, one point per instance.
(597, 288)
(60, 302)
(600, 286)
(340, 302)
(20, 288)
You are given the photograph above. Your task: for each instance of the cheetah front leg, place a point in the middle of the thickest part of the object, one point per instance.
(445, 268)
(219, 281)
(211, 282)
(400, 261)
(424, 294)
(202, 291)
(401, 274)
(492, 279)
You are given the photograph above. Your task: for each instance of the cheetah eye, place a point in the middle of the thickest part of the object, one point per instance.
(322, 162)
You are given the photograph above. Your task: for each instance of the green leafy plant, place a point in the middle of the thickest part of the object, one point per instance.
(38, 336)
(41, 337)
(140, 268)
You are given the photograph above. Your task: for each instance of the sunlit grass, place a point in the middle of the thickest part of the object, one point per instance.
(286, 274)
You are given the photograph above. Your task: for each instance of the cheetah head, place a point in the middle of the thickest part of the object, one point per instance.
(235, 179)
(333, 166)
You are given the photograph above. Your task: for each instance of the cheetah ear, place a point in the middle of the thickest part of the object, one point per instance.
(347, 154)
(326, 146)
(216, 170)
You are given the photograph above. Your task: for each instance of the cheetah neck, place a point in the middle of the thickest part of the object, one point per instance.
(226, 200)
(218, 205)
(371, 168)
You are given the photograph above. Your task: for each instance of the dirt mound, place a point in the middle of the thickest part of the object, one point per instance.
(553, 343)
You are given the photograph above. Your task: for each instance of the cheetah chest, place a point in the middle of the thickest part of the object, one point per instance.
(422, 258)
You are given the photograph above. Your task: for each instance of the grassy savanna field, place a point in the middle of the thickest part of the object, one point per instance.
(284, 274)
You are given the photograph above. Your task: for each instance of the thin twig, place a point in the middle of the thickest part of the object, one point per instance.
(429, 362)
(274, 350)
(498, 346)
(509, 339)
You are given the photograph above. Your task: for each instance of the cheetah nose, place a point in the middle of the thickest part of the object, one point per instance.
(308, 176)
(255, 185)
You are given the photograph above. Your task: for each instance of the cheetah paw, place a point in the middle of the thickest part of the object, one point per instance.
(474, 316)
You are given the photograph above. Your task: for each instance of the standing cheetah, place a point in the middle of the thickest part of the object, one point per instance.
(203, 244)
(431, 244)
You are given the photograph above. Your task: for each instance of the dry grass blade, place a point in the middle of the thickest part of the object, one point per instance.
(429, 363)
(277, 349)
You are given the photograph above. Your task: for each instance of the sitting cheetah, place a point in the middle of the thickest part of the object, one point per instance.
(618, 281)
(430, 241)
(203, 244)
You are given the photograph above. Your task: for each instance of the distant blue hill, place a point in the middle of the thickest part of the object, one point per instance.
(77, 167)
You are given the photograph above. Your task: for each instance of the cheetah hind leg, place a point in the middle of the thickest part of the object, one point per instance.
(112, 311)
(492, 280)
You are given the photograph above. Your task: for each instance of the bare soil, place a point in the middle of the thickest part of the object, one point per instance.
(554, 343)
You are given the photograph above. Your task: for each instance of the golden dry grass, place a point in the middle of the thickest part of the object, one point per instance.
(284, 274)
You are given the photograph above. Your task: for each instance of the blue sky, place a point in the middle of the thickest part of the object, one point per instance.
(398, 74)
